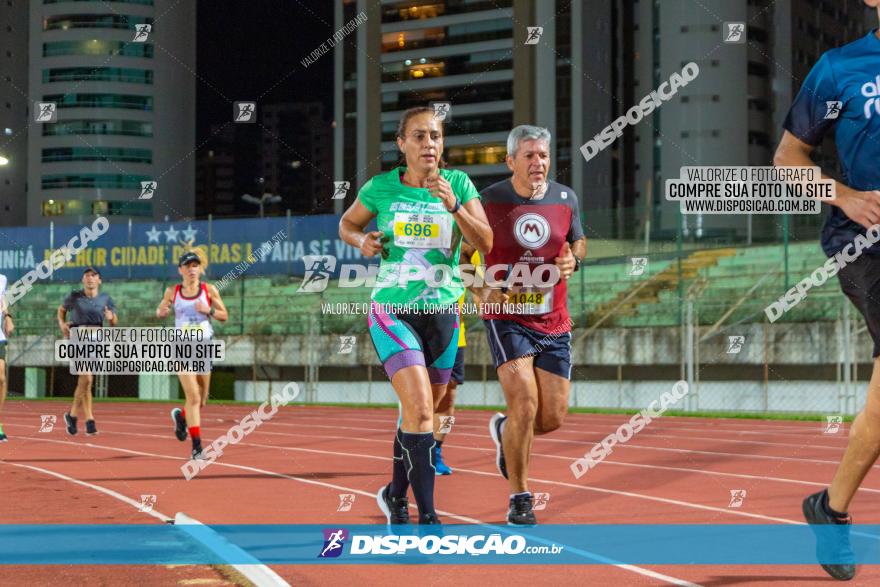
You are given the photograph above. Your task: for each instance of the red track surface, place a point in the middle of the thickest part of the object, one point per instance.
(292, 469)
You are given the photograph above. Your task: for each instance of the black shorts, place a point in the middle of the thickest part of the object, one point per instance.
(509, 340)
(457, 374)
(860, 281)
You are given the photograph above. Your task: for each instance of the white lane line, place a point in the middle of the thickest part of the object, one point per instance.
(632, 568)
(256, 572)
(733, 512)
(761, 427)
(808, 427)
(569, 459)
(654, 432)
(551, 456)
(588, 444)
(647, 433)
(796, 428)
(123, 498)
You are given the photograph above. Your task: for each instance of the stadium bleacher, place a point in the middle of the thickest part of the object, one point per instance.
(716, 279)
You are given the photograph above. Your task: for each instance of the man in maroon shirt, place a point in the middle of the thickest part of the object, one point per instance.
(536, 222)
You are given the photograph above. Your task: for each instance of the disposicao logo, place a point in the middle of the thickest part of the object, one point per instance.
(334, 539)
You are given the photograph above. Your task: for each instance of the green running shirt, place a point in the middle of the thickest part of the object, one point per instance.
(422, 234)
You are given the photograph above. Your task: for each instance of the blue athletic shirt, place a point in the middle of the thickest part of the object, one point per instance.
(842, 93)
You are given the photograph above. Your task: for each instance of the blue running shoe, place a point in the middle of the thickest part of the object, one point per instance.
(440, 467)
(833, 547)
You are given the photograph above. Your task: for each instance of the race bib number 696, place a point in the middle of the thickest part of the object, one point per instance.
(422, 231)
(415, 229)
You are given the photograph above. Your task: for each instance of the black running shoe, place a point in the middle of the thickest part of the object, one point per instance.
(520, 511)
(70, 422)
(429, 519)
(179, 424)
(396, 509)
(3, 437)
(197, 454)
(831, 544)
(495, 432)
(90, 428)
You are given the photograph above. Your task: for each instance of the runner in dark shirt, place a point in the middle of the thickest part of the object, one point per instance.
(841, 95)
(87, 307)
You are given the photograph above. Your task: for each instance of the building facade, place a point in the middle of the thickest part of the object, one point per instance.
(13, 111)
(498, 63)
(124, 102)
(732, 114)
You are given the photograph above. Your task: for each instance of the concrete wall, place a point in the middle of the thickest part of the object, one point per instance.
(614, 368)
(736, 396)
(812, 344)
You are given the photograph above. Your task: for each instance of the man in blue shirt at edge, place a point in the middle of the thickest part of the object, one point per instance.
(842, 94)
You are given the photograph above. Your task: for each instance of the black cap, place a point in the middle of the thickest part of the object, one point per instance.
(188, 257)
(92, 269)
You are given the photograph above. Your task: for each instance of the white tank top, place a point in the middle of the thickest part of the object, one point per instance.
(2, 314)
(185, 314)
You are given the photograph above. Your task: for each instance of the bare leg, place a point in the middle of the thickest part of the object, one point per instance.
(86, 399)
(444, 406)
(416, 393)
(414, 444)
(862, 450)
(193, 398)
(204, 380)
(521, 394)
(553, 393)
(74, 406)
(3, 384)
(82, 396)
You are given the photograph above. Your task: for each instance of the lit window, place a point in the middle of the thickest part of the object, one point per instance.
(53, 208)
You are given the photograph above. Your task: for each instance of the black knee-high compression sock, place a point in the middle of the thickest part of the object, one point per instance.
(418, 457)
(399, 482)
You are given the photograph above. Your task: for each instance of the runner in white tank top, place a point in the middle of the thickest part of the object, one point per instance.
(195, 304)
(6, 328)
(187, 317)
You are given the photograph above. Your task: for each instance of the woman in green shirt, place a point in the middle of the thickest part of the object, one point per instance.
(421, 211)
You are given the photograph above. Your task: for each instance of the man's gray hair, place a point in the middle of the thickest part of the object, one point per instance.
(525, 132)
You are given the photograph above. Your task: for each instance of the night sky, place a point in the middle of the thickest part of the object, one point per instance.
(245, 47)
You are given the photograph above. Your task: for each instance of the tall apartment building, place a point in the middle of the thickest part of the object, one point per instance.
(13, 111)
(473, 55)
(732, 113)
(593, 62)
(125, 109)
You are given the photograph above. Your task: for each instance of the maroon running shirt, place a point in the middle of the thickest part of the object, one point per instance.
(532, 232)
